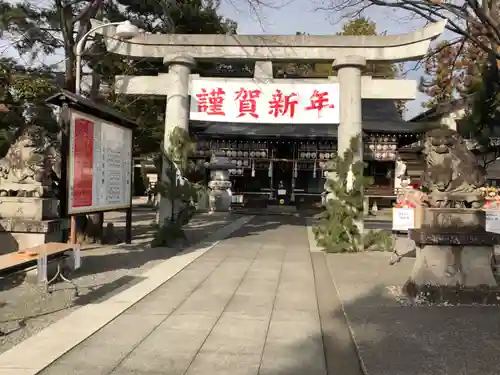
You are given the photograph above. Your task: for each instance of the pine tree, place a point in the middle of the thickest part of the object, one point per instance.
(177, 193)
(482, 119)
(337, 231)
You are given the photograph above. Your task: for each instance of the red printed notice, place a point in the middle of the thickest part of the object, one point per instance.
(83, 163)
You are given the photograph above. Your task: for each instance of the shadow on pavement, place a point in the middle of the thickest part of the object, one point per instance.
(100, 293)
(260, 224)
(394, 339)
(407, 341)
(106, 271)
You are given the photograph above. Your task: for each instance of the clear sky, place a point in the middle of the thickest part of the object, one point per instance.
(303, 15)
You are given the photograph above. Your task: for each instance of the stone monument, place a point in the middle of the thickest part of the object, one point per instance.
(219, 196)
(453, 247)
(29, 208)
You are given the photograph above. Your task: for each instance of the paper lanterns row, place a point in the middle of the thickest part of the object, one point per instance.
(383, 139)
(314, 155)
(241, 145)
(315, 147)
(385, 155)
(246, 154)
(240, 163)
(379, 147)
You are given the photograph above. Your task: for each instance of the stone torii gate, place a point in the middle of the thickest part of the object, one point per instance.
(349, 54)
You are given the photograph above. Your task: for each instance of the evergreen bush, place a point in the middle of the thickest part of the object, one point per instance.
(337, 230)
(185, 194)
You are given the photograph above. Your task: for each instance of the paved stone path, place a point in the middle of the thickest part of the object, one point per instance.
(106, 271)
(248, 306)
(421, 340)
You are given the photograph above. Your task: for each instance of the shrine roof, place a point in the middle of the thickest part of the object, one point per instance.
(90, 107)
(379, 116)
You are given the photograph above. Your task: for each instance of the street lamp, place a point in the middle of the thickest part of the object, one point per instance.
(124, 30)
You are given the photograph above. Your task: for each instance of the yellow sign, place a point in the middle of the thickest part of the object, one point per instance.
(282, 201)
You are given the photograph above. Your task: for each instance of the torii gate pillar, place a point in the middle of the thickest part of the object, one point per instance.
(349, 70)
(349, 74)
(176, 115)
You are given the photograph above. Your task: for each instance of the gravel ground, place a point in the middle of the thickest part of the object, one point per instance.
(106, 270)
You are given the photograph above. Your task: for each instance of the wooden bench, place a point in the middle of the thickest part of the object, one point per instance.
(40, 256)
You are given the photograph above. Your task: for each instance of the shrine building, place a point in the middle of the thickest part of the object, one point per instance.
(280, 133)
(269, 157)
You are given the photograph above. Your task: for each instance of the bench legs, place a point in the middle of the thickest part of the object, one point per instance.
(60, 276)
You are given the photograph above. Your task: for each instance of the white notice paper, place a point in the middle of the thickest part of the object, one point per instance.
(492, 221)
(403, 219)
(107, 167)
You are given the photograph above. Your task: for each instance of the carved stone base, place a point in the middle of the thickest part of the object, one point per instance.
(453, 248)
(33, 190)
(28, 208)
(446, 265)
(219, 200)
(18, 234)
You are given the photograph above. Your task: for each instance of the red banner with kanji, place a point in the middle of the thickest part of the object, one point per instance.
(83, 162)
(246, 101)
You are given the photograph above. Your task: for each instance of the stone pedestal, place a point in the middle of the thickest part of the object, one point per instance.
(28, 208)
(29, 222)
(443, 265)
(453, 248)
(219, 197)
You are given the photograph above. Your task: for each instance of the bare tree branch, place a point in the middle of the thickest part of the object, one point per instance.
(468, 20)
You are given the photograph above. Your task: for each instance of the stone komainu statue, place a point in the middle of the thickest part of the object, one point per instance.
(452, 174)
(31, 166)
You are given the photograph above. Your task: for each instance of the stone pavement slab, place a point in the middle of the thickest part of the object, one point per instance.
(247, 306)
(393, 339)
(54, 341)
(340, 352)
(106, 271)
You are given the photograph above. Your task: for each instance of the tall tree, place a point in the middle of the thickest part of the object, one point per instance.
(482, 120)
(362, 26)
(471, 20)
(38, 30)
(22, 94)
(358, 26)
(452, 70)
(188, 17)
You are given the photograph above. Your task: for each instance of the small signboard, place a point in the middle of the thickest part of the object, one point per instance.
(403, 219)
(492, 221)
(99, 165)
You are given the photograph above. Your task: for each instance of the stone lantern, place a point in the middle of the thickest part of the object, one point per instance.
(220, 197)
